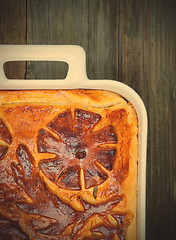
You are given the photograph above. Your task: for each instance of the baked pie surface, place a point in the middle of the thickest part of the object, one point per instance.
(68, 165)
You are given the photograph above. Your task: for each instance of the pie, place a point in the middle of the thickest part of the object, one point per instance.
(68, 165)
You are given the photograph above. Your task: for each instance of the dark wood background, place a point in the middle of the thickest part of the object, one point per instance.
(133, 41)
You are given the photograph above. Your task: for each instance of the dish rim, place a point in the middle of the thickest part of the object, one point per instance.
(76, 78)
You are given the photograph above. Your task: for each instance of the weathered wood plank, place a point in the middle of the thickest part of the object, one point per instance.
(13, 31)
(37, 33)
(148, 44)
(132, 45)
(91, 24)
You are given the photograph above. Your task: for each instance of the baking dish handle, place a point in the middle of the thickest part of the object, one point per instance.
(73, 55)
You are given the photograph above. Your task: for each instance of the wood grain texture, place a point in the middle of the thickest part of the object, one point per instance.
(13, 31)
(159, 72)
(149, 67)
(132, 40)
(91, 24)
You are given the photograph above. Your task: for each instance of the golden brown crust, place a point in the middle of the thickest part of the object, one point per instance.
(68, 164)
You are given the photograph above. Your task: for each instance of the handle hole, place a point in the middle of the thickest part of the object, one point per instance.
(35, 70)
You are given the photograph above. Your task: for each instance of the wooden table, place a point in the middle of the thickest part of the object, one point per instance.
(133, 41)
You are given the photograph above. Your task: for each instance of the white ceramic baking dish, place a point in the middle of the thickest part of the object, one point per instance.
(75, 57)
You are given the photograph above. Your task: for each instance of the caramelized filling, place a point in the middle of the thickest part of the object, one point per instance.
(3, 151)
(77, 146)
